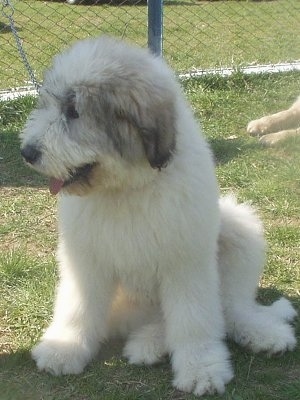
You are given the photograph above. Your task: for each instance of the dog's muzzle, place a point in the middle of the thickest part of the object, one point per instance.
(79, 175)
(31, 154)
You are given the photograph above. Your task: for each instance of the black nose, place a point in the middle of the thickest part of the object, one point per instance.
(31, 154)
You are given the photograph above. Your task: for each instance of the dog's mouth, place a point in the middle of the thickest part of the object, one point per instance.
(78, 175)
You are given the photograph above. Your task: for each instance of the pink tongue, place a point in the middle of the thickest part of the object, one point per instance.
(55, 185)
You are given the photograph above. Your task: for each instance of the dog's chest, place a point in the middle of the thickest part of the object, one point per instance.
(121, 237)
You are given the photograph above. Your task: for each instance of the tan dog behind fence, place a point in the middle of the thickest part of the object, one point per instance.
(277, 127)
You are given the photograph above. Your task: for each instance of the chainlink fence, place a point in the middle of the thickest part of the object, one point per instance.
(197, 34)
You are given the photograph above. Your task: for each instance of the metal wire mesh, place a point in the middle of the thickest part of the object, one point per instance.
(197, 34)
(231, 33)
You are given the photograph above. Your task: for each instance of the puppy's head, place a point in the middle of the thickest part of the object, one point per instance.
(105, 117)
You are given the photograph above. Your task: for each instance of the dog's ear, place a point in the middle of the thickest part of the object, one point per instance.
(69, 105)
(124, 113)
(157, 131)
(153, 118)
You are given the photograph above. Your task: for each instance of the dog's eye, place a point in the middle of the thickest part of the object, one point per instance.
(71, 112)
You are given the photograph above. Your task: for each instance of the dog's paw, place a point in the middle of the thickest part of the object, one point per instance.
(283, 309)
(278, 339)
(146, 346)
(59, 357)
(270, 139)
(259, 127)
(202, 370)
(269, 335)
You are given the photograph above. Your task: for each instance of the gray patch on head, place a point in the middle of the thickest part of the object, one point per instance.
(68, 104)
(135, 127)
(158, 135)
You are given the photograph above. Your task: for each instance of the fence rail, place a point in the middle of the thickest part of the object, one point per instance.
(197, 34)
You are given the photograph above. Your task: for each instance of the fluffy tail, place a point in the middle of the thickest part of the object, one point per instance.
(241, 259)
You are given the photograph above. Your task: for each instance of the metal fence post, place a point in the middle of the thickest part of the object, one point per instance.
(155, 26)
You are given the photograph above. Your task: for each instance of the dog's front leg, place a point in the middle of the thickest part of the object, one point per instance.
(195, 329)
(80, 317)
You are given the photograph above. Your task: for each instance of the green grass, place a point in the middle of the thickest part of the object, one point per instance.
(197, 34)
(268, 177)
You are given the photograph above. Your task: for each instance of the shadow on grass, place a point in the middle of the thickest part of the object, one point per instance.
(109, 377)
(267, 296)
(225, 149)
(20, 379)
(5, 28)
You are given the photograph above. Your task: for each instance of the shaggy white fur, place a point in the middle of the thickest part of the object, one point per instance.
(146, 248)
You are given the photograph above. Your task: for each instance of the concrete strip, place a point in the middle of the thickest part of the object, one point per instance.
(12, 94)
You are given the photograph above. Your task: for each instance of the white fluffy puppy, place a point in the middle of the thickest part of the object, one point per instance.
(144, 242)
